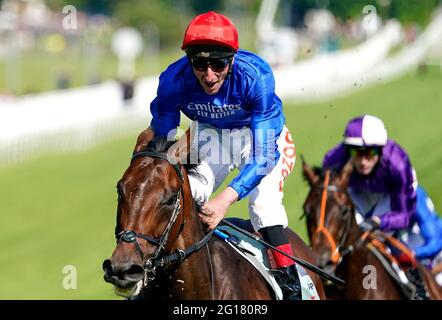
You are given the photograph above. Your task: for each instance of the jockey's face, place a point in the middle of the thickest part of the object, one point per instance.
(211, 79)
(365, 160)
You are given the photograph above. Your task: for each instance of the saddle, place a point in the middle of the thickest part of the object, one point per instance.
(256, 254)
(409, 279)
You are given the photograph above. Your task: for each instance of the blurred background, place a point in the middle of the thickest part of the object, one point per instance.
(77, 78)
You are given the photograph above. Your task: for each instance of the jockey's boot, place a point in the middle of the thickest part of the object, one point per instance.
(415, 277)
(288, 280)
(283, 267)
(409, 267)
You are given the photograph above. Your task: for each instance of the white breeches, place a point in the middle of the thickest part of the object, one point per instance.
(221, 151)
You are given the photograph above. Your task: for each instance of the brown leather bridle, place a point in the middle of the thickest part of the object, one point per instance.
(335, 249)
(151, 263)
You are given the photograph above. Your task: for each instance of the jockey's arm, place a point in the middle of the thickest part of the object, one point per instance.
(266, 123)
(214, 210)
(430, 225)
(164, 109)
(395, 220)
(402, 204)
(430, 249)
(264, 158)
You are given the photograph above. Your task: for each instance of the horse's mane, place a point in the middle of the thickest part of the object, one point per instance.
(161, 145)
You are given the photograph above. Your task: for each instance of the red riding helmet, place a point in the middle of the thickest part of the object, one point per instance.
(211, 28)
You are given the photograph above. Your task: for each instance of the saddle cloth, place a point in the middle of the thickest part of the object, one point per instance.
(256, 254)
(378, 246)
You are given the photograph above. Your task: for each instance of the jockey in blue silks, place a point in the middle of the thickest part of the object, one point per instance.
(384, 188)
(425, 233)
(230, 94)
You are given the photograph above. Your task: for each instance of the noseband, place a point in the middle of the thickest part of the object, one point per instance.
(131, 236)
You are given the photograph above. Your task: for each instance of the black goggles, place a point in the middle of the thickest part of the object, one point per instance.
(216, 64)
(364, 151)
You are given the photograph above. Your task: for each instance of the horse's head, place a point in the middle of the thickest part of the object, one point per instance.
(149, 217)
(329, 212)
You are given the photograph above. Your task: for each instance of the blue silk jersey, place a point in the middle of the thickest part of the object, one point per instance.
(246, 99)
(430, 225)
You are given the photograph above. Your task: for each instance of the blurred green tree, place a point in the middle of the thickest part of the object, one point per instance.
(199, 6)
(170, 16)
(170, 19)
(413, 10)
(404, 10)
(90, 6)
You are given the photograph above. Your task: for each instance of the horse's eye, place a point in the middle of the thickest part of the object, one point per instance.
(345, 211)
(170, 201)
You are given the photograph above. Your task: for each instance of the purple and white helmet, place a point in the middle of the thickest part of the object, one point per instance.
(365, 131)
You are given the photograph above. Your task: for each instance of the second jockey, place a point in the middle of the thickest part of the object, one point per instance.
(384, 188)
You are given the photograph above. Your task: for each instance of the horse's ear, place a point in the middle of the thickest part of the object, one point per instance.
(181, 150)
(345, 174)
(308, 173)
(143, 139)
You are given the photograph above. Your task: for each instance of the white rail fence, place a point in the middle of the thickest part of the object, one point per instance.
(73, 138)
(70, 119)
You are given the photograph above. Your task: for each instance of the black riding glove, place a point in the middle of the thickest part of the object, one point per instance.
(370, 224)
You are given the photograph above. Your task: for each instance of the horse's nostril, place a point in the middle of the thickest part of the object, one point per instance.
(107, 265)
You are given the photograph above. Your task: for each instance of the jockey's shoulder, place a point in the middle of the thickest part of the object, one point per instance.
(335, 158)
(246, 56)
(337, 152)
(251, 66)
(175, 75)
(394, 147)
(395, 156)
(176, 68)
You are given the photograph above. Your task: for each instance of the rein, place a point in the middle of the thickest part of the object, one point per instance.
(130, 236)
(335, 255)
(338, 252)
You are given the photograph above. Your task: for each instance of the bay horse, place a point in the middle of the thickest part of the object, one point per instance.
(162, 250)
(340, 245)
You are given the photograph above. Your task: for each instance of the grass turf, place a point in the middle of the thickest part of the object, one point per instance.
(59, 209)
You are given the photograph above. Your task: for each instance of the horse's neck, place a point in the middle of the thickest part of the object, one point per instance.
(189, 279)
(358, 243)
(364, 268)
(192, 278)
(354, 235)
